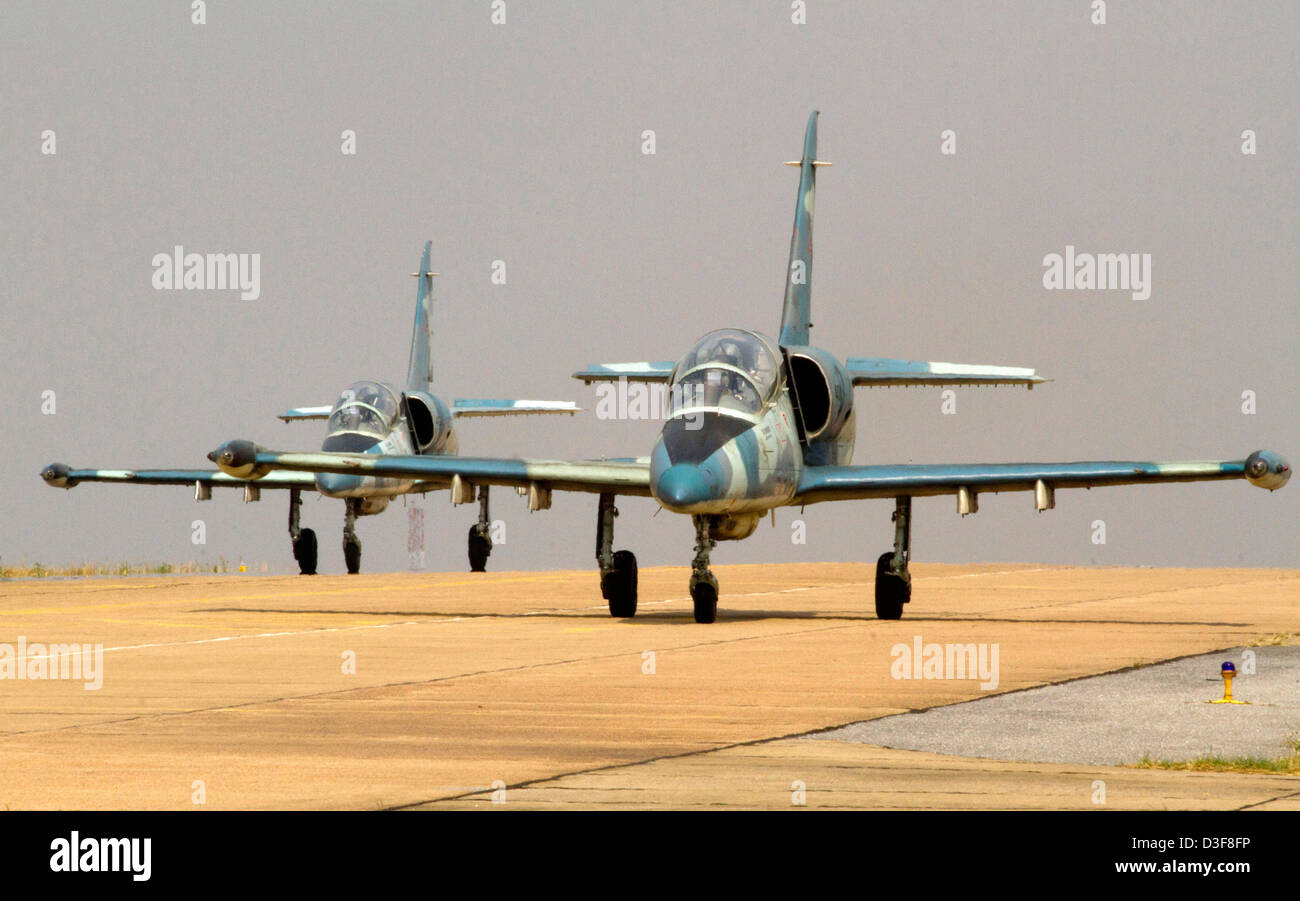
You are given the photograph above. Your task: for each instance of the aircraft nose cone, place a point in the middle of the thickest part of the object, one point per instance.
(333, 484)
(682, 486)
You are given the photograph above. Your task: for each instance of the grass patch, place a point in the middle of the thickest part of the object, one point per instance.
(1278, 639)
(1287, 764)
(124, 568)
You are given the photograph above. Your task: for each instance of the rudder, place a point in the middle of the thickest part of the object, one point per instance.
(419, 374)
(797, 310)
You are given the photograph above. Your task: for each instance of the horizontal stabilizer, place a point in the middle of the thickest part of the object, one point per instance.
(883, 372)
(298, 413)
(512, 407)
(633, 372)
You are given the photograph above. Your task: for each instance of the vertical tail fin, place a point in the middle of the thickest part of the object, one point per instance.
(419, 374)
(798, 275)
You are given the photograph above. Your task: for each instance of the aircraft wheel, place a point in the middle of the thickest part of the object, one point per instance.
(352, 557)
(704, 594)
(892, 591)
(479, 549)
(304, 551)
(619, 585)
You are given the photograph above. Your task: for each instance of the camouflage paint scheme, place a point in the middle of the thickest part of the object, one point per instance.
(369, 417)
(772, 425)
(768, 464)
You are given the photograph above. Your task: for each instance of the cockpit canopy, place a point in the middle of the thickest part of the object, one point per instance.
(730, 370)
(366, 408)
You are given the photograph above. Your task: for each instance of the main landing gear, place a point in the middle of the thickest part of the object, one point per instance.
(351, 543)
(704, 586)
(480, 538)
(304, 540)
(893, 581)
(617, 568)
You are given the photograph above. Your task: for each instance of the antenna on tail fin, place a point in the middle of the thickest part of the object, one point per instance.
(796, 313)
(419, 374)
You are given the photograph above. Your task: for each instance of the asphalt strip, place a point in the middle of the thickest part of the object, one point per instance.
(1161, 710)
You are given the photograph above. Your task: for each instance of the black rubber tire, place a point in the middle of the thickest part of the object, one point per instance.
(352, 557)
(304, 551)
(619, 585)
(479, 549)
(705, 597)
(892, 592)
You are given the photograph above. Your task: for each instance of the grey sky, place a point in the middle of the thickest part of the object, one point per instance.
(521, 142)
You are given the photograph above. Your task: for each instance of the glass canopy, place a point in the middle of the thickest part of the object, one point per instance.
(731, 369)
(368, 408)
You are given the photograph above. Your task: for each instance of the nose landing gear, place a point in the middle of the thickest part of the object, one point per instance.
(351, 543)
(704, 586)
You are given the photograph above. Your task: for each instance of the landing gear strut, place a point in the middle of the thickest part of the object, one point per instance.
(893, 581)
(351, 543)
(304, 540)
(480, 538)
(704, 587)
(617, 568)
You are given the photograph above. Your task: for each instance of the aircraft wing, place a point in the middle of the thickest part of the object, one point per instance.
(834, 483)
(878, 371)
(633, 372)
(299, 413)
(621, 476)
(60, 475)
(511, 407)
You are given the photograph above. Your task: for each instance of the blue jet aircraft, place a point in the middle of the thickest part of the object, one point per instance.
(369, 417)
(754, 424)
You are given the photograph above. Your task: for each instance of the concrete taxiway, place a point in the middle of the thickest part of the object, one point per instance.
(240, 691)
